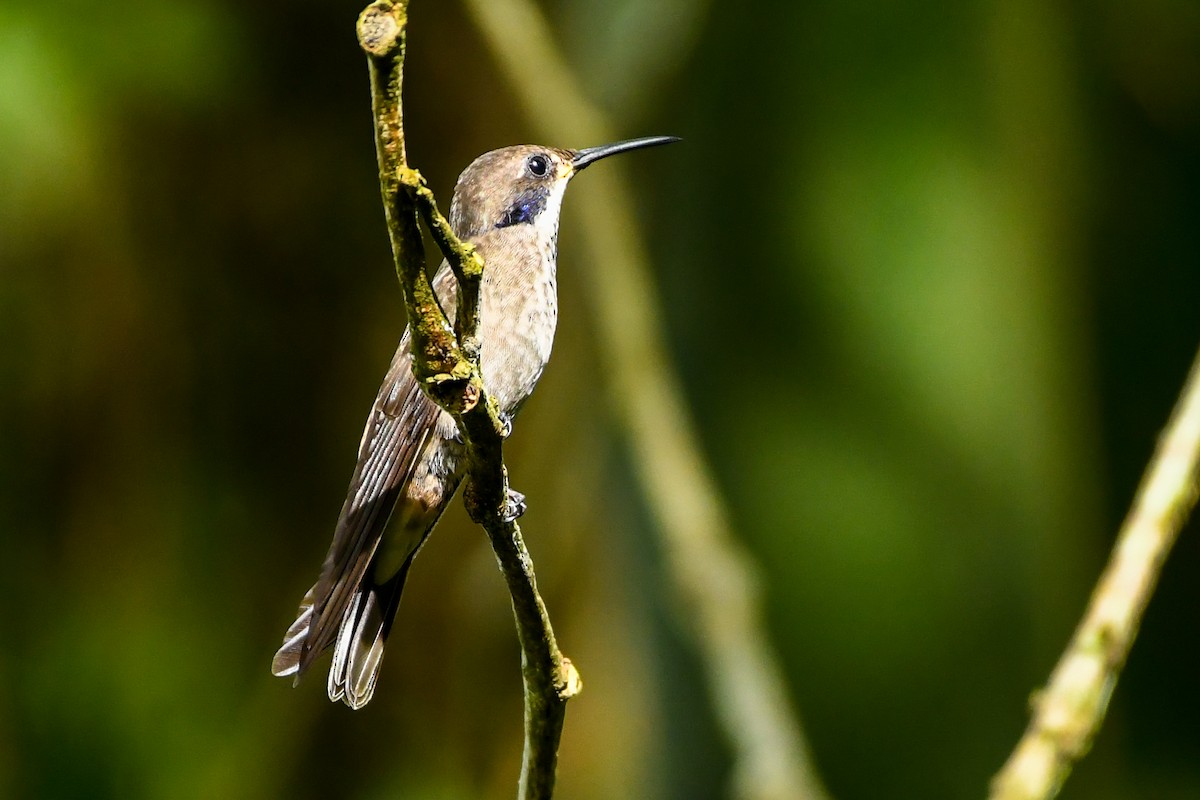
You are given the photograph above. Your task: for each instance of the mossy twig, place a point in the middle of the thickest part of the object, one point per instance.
(446, 364)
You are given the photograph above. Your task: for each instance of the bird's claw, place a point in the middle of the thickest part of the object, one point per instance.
(514, 506)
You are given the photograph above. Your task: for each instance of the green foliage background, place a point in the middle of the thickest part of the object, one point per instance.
(931, 273)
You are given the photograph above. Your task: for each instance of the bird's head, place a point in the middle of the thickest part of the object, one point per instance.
(524, 184)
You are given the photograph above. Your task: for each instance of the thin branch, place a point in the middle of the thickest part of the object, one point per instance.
(446, 364)
(712, 575)
(467, 267)
(1069, 711)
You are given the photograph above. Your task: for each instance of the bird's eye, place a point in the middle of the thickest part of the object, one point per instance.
(538, 165)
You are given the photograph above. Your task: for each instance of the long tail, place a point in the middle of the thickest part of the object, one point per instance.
(364, 625)
(358, 650)
(358, 653)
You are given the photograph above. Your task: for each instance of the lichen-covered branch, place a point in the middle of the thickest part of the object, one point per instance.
(713, 577)
(437, 357)
(468, 272)
(446, 364)
(1068, 712)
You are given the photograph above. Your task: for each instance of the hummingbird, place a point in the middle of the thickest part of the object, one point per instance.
(411, 458)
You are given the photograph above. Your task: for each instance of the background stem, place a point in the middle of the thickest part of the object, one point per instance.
(712, 575)
(1068, 712)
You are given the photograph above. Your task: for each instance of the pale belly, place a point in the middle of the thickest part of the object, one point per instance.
(517, 330)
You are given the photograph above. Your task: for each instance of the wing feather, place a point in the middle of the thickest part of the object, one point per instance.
(391, 447)
(402, 421)
(401, 424)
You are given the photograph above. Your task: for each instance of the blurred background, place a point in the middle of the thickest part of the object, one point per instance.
(963, 242)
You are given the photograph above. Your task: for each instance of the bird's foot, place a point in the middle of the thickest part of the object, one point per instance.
(514, 506)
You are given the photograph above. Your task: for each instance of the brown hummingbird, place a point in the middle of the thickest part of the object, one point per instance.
(410, 459)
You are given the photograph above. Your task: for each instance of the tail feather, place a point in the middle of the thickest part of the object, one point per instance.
(357, 625)
(358, 653)
(287, 658)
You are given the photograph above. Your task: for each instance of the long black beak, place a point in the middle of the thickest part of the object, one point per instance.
(592, 154)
